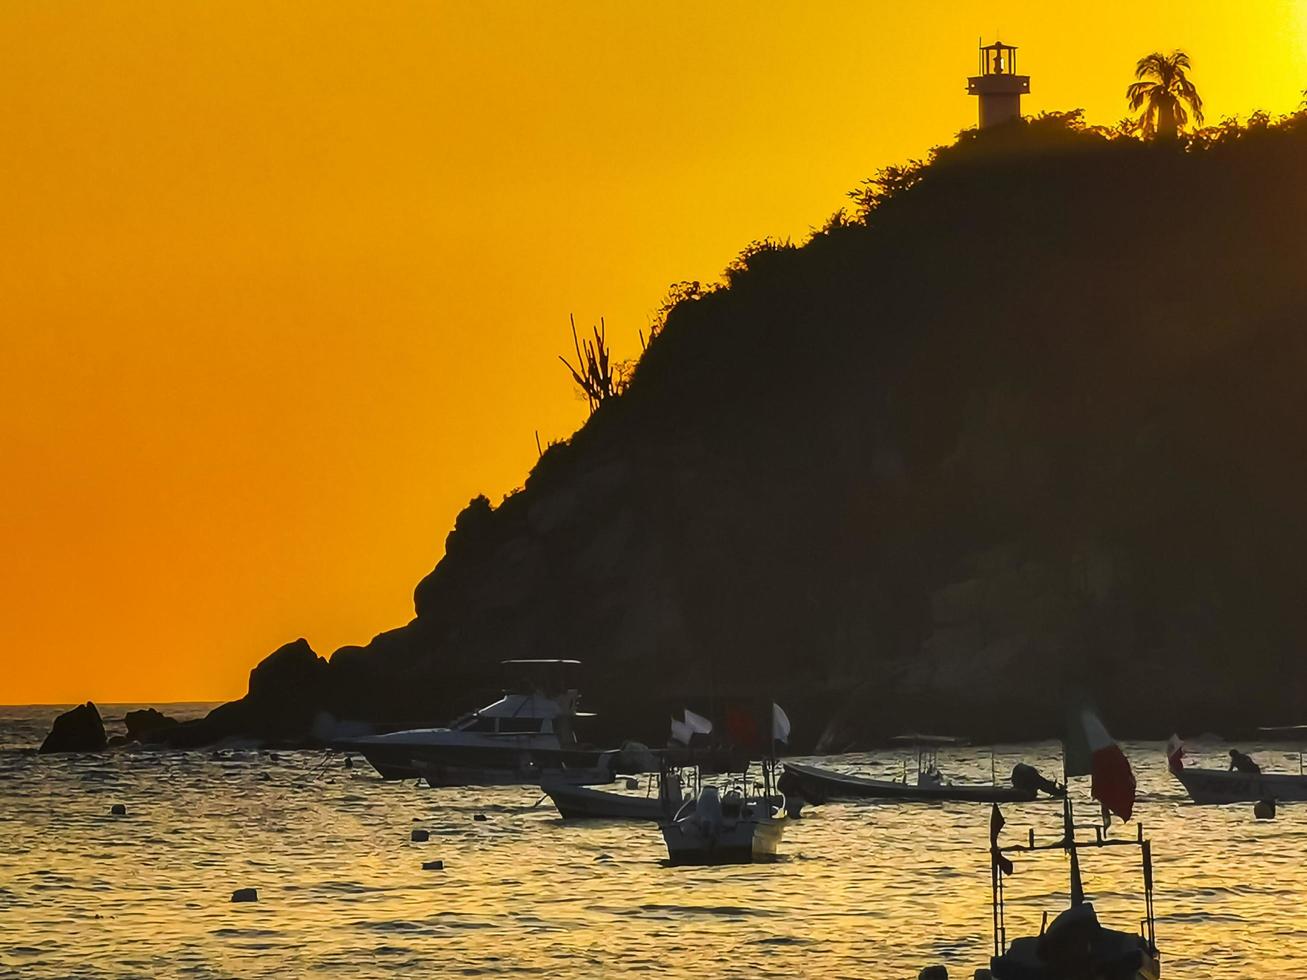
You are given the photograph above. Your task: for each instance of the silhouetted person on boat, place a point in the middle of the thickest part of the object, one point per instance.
(1244, 763)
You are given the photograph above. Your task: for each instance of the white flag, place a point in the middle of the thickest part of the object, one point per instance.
(698, 723)
(681, 732)
(780, 724)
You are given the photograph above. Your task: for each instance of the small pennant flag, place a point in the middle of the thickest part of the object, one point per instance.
(996, 823)
(1091, 751)
(780, 724)
(1175, 753)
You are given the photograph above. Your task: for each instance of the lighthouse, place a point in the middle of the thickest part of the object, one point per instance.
(998, 85)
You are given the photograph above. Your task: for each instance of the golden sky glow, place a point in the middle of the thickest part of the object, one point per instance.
(284, 284)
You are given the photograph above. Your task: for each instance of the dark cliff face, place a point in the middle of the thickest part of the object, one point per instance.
(1035, 427)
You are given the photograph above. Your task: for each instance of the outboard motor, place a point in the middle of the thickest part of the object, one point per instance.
(1026, 777)
(671, 791)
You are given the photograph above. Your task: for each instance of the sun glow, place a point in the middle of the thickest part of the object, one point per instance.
(285, 283)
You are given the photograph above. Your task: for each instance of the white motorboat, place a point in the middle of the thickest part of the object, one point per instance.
(730, 828)
(738, 826)
(527, 733)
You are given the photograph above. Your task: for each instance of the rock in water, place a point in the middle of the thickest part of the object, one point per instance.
(479, 817)
(245, 895)
(145, 722)
(78, 730)
(433, 865)
(420, 836)
(933, 973)
(1264, 810)
(118, 810)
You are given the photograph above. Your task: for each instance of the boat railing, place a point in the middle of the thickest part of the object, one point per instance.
(1071, 844)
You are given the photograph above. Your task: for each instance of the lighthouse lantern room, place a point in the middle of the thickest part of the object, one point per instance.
(998, 85)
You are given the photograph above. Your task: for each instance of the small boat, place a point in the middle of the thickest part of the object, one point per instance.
(716, 828)
(1074, 944)
(817, 785)
(582, 803)
(529, 731)
(1216, 786)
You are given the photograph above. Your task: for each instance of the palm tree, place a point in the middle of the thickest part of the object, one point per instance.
(1162, 93)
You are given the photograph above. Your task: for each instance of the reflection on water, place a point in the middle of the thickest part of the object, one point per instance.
(864, 890)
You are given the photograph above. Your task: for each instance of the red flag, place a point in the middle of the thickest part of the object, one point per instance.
(742, 727)
(1091, 751)
(1113, 782)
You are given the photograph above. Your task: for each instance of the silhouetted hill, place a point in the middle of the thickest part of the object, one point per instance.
(1032, 421)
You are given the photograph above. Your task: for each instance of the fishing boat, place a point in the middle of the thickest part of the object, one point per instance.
(1217, 786)
(724, 828)
(818, 785)
(745, 823)
(528, 732)
(1074, 944)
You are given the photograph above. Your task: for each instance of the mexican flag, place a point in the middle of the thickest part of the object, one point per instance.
(1091, 751)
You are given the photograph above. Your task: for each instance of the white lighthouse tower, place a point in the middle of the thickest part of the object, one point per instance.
(999, 86)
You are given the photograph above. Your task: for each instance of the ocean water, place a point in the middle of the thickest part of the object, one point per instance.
(864, 890)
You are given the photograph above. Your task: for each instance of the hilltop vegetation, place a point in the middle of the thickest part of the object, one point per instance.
(1027, 419)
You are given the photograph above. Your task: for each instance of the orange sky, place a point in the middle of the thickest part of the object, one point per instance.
(283, 284)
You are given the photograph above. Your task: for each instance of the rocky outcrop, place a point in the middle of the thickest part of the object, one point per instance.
(286, 693)
(146, 723)
(78, 730)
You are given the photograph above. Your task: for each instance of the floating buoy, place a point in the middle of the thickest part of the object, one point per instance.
(479, 817)
(1264, 810)
(118, 810)
(420, 836)
(245, 895)
(433, 865)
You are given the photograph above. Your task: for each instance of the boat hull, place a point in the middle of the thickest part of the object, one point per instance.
(401, 760)
(1148, 967)
(582, 803)
(818, 785)
(1216, 786)
(743, 842)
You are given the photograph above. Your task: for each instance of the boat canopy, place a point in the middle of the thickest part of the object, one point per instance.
(915, 738)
